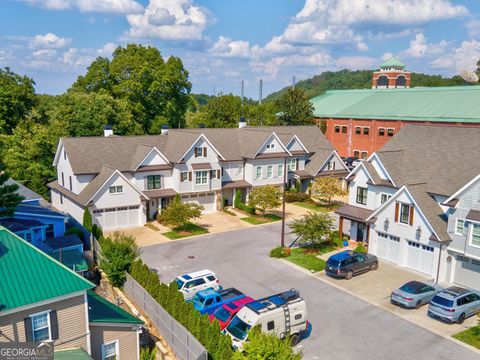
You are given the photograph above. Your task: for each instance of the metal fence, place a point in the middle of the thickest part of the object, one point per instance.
(183, 343)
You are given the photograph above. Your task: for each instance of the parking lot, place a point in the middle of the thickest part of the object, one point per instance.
(344, 326)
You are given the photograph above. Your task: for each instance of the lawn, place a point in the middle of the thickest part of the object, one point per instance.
(258, 219)
(307, 257)
(317, 207)
(185, 231)
(470, 336)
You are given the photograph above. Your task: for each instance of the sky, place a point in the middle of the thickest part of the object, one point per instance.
(222, 42)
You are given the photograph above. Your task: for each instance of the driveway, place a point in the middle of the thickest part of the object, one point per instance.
(344, 326)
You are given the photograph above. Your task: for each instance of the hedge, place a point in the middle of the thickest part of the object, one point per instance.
(241, 206)
(218, 345)
(295, 196)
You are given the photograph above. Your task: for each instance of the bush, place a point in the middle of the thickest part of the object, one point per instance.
(97, 231)
(361, 249)
(336, 239)
(87, 219)
(295, 197)
(74, 230)
(241, 206)
(280, 252)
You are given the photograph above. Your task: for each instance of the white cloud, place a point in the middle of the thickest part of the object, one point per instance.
(361, 46)
(419, 47)
(464, 57)
(473, 27)
(44, 53)
(226, 47)
(356, 62)
(170, 20)
(387, 56)
(48, 41)
(106, 6)
(107, 49)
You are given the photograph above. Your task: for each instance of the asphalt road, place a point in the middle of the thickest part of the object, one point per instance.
(343, 326)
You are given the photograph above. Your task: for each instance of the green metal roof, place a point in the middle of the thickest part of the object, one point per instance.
(393, 62)
(28, 275)
(101, 310)
(440, 104)
(73, 259)
(71, 354)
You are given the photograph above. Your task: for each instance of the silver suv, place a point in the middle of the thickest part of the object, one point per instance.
(454, 304)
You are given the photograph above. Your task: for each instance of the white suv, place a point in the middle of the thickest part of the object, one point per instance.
(190, 284)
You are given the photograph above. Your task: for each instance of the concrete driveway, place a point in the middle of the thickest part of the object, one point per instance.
(343, 326)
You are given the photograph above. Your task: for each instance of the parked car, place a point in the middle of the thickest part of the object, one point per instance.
(282, 315)
(227, 311)
(356, 162)
(190, 284)
(347, 263)
(207, 301)
(454, 304)
(349, 161)
(414, 294)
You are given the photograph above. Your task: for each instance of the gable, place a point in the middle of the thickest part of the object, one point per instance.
(209, 154)
(470, 198)
(378, 166)
(130, 194)
(296, 145)
(272, 145)
(155, 157)
(336, 160)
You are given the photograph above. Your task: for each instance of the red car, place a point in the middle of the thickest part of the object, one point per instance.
(226, 312)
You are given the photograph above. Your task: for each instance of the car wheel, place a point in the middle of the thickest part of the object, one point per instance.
(461, 318)
(374, 266)
(294, 340)
(349, 275)
(418, 305)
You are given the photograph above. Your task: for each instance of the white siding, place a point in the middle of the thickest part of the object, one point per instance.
(140, 179)
(230, 171)
(103, 199)
(65, 168)
(75, 210)
(250, 172)
(272, 141)
(294, 145)
(153, 159)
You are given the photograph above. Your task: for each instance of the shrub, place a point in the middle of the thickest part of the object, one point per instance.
(361, 249)
(74, 230)
(148, 354)
(280, 252)
(336, 239)
(313, 228)
(97, 231)
(87, 219)
(241, 206)
(296, 196)
(265, 198)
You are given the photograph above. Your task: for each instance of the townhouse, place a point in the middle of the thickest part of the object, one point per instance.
(43, 301)
(416, 202)
(126, 181)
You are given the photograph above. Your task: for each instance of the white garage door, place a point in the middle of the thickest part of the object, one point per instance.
(117, 218)
(207, 200)
(467, 272)
(388, 247)
(420, 257)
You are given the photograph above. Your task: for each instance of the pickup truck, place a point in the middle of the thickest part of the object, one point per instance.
(207, 301)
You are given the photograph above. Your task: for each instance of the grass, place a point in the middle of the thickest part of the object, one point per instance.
(317, 207)
(185, 231)
(306, 257)
(151, 226)
(258, 219)
(470, 336)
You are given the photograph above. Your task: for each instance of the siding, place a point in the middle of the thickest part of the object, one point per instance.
(128, 344)
(72, 323)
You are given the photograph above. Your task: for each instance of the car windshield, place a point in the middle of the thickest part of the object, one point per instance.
(198, 300)
(334, 263)
(412, 287)
(238, 328)
(222, 314)
(180, 283)
(442, 301)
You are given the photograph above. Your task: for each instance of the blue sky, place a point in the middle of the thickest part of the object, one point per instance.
(223, 42)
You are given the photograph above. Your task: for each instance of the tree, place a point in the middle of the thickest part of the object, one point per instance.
(313, 228)
(266, 347)
(9, 197)
(327, 187)
(265, 198)
(17, 97)
(323, 125)
(87, 219)
(179, 214)
(223, 111)
(295, 108)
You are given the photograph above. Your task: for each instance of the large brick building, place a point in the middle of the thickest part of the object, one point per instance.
(360, 122)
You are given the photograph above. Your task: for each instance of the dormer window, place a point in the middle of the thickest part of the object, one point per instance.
(270, 146)
(199, 152)
(116, 189)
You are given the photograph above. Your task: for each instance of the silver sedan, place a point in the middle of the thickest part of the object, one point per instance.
(414, 294)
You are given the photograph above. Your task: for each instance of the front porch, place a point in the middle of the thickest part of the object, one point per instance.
(357, 219)
(229, 190)
(159, 200)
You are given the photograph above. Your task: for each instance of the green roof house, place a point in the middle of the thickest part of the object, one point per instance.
(42, 300)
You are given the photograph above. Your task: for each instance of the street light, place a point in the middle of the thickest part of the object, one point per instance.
(282, 239)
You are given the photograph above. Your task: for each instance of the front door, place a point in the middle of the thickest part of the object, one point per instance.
(152, 209)
(164, 202)
(360, 231)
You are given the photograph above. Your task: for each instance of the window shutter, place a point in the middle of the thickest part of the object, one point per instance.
(410, 221)
(54, 324)
(397, 205)
(28, 329)
(189, 176)
(195, 151)
(204, 152)
(218, 174)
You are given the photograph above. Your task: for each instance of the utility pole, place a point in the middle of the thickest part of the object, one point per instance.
(293, 82)
(214, 91)
(260, 91)
(282, 239)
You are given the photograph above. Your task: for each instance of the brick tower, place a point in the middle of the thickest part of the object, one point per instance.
(392, 75)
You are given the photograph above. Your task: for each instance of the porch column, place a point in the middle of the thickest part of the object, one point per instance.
(368, 234)
(340, 228)
(233, 197)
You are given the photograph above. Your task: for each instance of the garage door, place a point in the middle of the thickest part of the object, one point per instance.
(207, 200)
(420, 257)
(388, 247)
(117, 218)
(467, 272)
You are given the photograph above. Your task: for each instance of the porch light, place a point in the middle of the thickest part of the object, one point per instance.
(418, 233)
(386, 224)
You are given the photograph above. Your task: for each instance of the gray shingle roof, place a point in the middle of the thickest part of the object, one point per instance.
(24, 191)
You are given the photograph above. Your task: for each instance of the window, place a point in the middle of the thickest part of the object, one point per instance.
(184, 176)
(258, 174)
(63, 180)
(50, 232)
(404, 213)
(337, 128)
(116, 189)
(239, 169)
(269, 171)
(70, 179)
(356, 154)
(110, 351)
(61, 198)
(358, 130)
(344, 129)
(460, 227)
(153, 182)
(476, 235)
(270, 146)
(389, 132)
(270, 325)
(280, 170)
(213, 174)
(291, 164)
(364, 154)
(28, 236)
(362, 195)
(211, 278)
(384, 198)
(331, 165)
(41, 326)
(199, 152)
(201, 177)
(64, 154)
(298, 316)
(381, 131)
(366, 130)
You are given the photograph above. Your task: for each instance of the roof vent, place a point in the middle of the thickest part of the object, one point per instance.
(107, 130)
(242, 123)
(164, 129)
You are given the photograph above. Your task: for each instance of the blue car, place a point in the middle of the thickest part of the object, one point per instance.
(208, 301)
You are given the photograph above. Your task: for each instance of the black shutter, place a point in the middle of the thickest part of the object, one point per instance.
(195, 149)
(54, 324)
(28, 329)
(204, 152)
